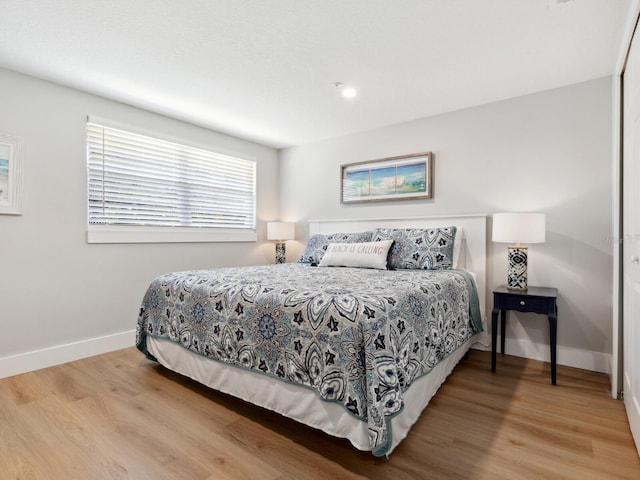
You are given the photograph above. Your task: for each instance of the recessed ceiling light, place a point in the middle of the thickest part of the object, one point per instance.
(346, 92)
(349, 92)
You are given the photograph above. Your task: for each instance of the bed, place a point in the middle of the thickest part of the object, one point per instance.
(355, 352)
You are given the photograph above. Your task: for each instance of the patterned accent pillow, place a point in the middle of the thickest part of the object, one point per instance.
(419, 248)
(317, 244)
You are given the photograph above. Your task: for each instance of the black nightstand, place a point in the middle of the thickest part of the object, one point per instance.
(535, 300)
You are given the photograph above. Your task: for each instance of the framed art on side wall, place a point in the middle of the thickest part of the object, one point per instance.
(11, 151)
(393, 178)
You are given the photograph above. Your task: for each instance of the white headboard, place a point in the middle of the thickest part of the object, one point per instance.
(474, 244)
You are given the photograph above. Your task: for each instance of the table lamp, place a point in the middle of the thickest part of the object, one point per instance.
(518, 228)
(280, 231)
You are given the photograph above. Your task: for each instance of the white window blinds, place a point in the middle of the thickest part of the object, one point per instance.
(135, 180)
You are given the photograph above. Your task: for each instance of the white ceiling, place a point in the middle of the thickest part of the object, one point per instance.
(265, 69)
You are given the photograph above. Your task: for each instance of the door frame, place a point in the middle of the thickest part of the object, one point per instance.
(616, 237)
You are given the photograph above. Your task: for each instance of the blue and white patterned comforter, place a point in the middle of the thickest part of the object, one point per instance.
(358, 337)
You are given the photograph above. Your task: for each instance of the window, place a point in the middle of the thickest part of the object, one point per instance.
(144, 189)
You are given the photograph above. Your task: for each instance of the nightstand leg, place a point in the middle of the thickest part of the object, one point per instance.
(494, 338)
(503, 329)
(553, 333)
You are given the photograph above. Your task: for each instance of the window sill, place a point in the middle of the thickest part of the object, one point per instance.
(113, 234)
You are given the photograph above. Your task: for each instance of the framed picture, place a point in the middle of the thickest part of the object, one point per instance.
(394, 178)
(11, 150)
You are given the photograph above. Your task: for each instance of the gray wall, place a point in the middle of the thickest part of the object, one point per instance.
(56, 289)
(549, 152)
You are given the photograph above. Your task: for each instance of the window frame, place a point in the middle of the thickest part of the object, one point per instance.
(166, 234)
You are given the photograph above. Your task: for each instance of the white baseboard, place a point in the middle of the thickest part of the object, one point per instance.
(571, 357)
(48, 357)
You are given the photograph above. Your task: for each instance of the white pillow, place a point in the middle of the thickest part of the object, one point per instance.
(361, 255)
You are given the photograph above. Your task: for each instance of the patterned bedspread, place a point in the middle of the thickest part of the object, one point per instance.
(359, 337)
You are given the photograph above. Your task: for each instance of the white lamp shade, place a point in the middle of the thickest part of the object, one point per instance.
(519, 227)
(281, 231)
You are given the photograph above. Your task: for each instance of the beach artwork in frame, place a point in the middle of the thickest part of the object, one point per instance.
(11, 150)
(393, 178)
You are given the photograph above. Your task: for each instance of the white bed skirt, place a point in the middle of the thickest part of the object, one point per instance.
(298, 403)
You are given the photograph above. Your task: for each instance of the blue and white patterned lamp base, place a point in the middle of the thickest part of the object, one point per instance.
(280, 252)
(517, 274)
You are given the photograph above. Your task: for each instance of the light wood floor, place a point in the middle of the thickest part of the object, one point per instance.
(121, 416)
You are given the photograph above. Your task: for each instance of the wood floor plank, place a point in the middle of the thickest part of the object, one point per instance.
(120, 416)
(292, 460)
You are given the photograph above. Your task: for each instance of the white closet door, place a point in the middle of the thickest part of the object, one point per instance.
(631, 231)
